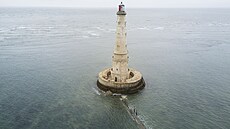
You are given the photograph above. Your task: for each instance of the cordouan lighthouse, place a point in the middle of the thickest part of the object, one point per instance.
(120, 78)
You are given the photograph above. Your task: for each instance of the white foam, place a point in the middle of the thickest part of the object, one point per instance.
(142, 119)
(34, 28)
(159, 28)
(92, 33)
(143, 28)
(99, 28)
(139, 28)
(22, 27)
(96, 91)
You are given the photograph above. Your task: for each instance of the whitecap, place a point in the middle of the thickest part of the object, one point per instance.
(99, 28)
(21, 27)
(96, 91)
(143, 121)
(92, 33)
(143, 28)
(159, 28)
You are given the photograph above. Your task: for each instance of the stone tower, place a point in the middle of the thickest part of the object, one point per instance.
(120, 78)
(120, 71)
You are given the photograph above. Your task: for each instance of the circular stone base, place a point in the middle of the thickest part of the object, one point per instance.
(124, 89)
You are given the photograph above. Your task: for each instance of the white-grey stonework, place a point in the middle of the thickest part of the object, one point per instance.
(120, 78)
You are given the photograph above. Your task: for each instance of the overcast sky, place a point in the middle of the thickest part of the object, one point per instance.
(114, 3)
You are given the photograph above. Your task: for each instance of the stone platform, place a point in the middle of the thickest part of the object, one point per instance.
(132, 85)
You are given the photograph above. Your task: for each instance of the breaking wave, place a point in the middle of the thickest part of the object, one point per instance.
(159, 28)
(143, 28)
(96, 91)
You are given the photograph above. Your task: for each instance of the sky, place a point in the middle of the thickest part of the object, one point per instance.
(114, 3)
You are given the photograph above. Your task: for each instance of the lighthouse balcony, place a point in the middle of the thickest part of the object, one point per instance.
(121, 13)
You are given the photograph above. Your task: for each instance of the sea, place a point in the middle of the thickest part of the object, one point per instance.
(50, 59)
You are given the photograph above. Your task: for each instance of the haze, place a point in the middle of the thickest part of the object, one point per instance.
(114, 3)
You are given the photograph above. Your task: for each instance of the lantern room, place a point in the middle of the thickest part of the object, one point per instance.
(122, 7)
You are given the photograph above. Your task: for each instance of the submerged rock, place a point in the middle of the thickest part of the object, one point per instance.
(108, 93)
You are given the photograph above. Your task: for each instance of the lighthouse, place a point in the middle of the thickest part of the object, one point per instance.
(120, 78)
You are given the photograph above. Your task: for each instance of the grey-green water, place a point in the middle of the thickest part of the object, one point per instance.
(50, 58)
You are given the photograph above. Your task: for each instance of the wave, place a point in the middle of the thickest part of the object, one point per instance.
(218, 24)
(22, 27)
(2, 39)
(143, 28)
(33, 28)
(142, 119)
(138, 28)
(84, 36)
(99, 28)
(111, 30)
(92, 34)
(104, 30)
(159, 28)
(96, 91)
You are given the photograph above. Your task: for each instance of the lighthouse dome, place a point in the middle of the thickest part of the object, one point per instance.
(121, 10)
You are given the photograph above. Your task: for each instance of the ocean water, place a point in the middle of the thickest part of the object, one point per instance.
(50, 58)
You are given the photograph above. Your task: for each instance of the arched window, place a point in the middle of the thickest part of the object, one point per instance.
(115, 79)
(108, 74)
(131, 74)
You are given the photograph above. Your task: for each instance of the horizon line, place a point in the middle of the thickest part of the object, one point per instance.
(114, 7)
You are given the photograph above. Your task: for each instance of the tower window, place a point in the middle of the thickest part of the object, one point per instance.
(115, 79)
(108, 74)
(131, 74)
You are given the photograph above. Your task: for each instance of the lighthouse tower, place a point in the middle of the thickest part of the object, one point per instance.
(120, 71)
(119, 78)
